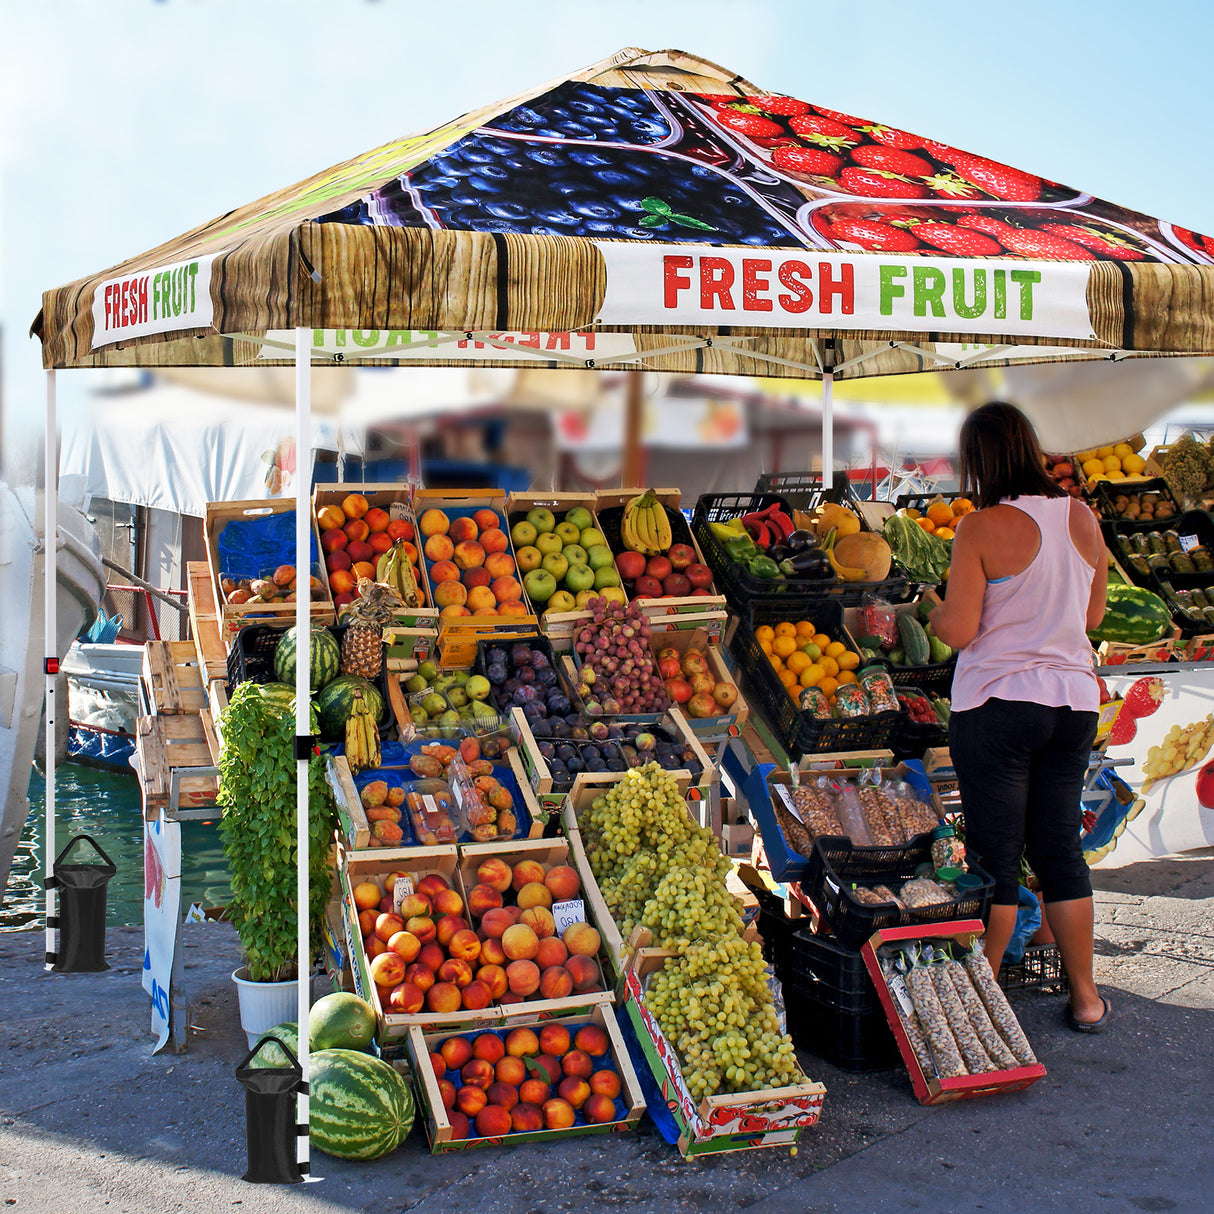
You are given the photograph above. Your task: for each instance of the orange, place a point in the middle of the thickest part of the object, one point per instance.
(926, 524)
(765, 645)
(835, 648)
(962, 505)
(764, 632)
(944, 533)
(828, 686)
(821, 640)
(811, 676)
(848, 660)
(785, 629)
(830, 666)
(911, 512)
(846, 676)
(777, 663)
(805, 628)
(940, 512)
(784, 645)
(788, 679)
(797, 662)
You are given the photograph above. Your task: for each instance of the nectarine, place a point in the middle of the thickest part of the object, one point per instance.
(493, 1122)
(443, 997)
(477, 1072)
(511, 1070)
(554, 1039)
(534, 893)
(605, 1083)
(446, 928)
(420, 975)
(387, 925)
(476, 995)
(578, 1063)
(556, 982)
(520, 943)
(446, 1091)
(406, 999)
(496, 918)
(433, 522)
(526, 871)
(494, 872)
(558, 1114)
(562, 882)
(388, 969)
(486, 519)
(526, 1117)
(599, 1109)
(489, 1047)
(581, 938)
(550, 952)
(492, 952)
(591, 1039)
(523, 977)
(534, 1091)
(456, 1051)
(470, 1100)
(465, 945)
(461, 1127)
(406, 945)
(574, 1089)
(494, 977)
(504, 1095)
(455, 971)
(522, 1042)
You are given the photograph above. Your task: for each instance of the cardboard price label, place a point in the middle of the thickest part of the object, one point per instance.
(565, 913)
(1189, 542)
(402, 887)
(789, 805)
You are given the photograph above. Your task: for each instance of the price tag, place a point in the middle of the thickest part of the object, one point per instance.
(402, 887)
(398, 511)
(1189, 542)
(789, 805)
(565, 913)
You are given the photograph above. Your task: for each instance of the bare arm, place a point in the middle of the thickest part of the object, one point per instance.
(956, 620)
(1085, 532)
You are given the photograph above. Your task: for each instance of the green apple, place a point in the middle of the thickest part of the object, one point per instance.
(541, 519)
(575, 554)
(614, 594)
(428, 670)
(528, 558)
(540, 585)
(608, 575)
(583, 597)
(580, 517)
(568, 532)
(591, 537)
(548, 542)
(523, 533)
(599, 557)
(562, 600)
(579, 577)
(478, 687)
(556, 565)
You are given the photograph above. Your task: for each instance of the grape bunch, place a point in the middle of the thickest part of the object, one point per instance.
(619, 673)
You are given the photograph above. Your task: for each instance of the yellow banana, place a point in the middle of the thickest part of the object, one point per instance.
(628, 526)
(849, 573)
(644, 529)
(355, 737)
(664, 536)
(374, 754)
(383, 567)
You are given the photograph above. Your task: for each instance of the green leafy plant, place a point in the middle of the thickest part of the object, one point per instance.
(257, 794)
(661, 215)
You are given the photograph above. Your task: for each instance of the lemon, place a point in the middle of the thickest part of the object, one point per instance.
(1112, 463)
(1092, 466)
(1103, 451)
(1133, 464)
(1121, 450)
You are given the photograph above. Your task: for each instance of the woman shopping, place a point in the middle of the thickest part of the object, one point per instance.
(1026, 582)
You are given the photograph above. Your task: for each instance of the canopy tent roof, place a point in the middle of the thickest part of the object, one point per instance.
(681, 219)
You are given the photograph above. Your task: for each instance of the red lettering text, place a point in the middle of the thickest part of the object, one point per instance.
(828, 288)
(674, 282)
(752, 284)
(716, 277)
(795, 275)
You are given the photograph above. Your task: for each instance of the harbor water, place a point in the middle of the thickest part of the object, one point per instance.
(107, 806)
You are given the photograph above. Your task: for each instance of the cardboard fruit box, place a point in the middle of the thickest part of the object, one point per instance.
(457, 636)
(629, 1105)
(931, 1089)
(394, 499)
(774, 1117)
(234, 616)
(548, 853)
(728, 721)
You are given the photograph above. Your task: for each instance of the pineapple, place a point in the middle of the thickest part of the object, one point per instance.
(362, 646)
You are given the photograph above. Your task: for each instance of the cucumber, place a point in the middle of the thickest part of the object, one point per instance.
(938, 650)
(914, 640)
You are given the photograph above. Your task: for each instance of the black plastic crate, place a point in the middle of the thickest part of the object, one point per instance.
(821, 968)
(799, 732)
(912, 739)
(1105, 491)
(1041, 970)
(937, 678)
(742, 588)
(803, 490)
(845, 1040)
(480, 664)
(921, 501)
(835, 865)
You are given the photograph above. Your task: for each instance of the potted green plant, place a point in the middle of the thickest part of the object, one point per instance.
(257, 795)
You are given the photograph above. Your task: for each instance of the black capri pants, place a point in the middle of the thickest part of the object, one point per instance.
(1020, 771)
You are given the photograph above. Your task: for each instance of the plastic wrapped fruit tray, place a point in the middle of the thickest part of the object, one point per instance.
(797, 731)
(742, 588)
(836, 865)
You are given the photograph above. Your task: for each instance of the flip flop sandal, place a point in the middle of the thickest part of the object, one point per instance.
(1089, 1026)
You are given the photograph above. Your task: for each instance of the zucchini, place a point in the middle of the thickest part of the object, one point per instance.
(938, 650)
(914, 640)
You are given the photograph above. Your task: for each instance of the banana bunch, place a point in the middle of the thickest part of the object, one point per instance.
(646, 526)
(362, 736)
(394, 570)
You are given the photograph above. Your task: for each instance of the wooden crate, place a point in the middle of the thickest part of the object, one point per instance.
(631, 1102)
(395, 500)
(1113, 653)
(172, 678)
(931, 1089)
(204, 621)
(234, 616)
(774, 1117)
(172, 746)
(730, 721)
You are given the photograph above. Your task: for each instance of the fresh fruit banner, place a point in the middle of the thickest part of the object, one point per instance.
(1166, 725)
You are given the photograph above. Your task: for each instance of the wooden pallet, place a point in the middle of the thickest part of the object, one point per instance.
(204, 622)
(172, 678)
(168, 746)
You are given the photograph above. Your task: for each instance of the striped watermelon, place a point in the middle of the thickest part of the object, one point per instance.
(360, 1106)
(1132, 616)
(272, 1056)
(325, 657)
(341, 1021)
(337, 698)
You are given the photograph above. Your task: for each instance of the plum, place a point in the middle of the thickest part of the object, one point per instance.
(521, 655)
(497, 675)
(525, 674)
(546, 678)
(539, 661)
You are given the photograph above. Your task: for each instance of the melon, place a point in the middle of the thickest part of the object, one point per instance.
(271, 1056)
(325, 658)
(360, 1107)
(337, 699)
(341, 1021)
(865, 550)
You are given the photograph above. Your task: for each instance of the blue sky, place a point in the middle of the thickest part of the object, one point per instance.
(125, 122)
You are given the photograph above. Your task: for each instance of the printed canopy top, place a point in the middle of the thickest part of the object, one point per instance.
(657, 210)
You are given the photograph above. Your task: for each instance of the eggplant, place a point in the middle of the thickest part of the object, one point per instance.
(779, 553)
(801, 539)
(808, 563)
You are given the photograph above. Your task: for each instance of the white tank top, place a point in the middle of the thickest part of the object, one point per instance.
(1031, 643)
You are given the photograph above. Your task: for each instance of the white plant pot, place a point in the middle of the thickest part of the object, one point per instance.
(264, 1004)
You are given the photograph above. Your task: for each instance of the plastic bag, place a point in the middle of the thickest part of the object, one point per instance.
(878, 619)
(851, 814)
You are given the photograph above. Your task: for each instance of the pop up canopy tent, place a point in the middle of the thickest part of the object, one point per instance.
(653, 210)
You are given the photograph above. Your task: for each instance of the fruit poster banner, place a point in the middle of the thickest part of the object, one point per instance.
(677, 425)
(1166, 726)
(161, 908)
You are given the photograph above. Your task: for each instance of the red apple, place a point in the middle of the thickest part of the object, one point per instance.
(630, 565)
(647, 588)
(700, 576)
(680, 556)
(658, 567)
(676, 585)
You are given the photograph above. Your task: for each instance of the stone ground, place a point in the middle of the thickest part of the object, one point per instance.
(91, 1120)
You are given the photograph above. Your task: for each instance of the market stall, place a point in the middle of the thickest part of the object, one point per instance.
(629, 216)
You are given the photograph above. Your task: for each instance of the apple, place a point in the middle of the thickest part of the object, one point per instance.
(580, 517)
(555, 564)
(658, 567)
(605, 577)
(580, 577)
(575, 554)
(676, 585)
(528, 558)
(592, 537)
(700, 576)
(562, 600)
(541, 519)
(540, 585)
(646, 587)
(568, 532)
(598, 556)
(524, 533)
(631, 565)
(680, 556)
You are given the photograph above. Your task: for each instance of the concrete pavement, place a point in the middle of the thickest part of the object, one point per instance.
(90, 1120)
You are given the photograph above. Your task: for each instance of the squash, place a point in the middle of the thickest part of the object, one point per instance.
(868, 551)
(830, 516)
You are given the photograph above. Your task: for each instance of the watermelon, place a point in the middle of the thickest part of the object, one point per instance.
(341, 1021)
(337, 698)
(360, 1106)
(325, 658)
(272, 1056)
(1132, 616)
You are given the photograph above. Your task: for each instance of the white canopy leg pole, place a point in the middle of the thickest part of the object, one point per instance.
(303, 707)
(828, 430)
(50, 479)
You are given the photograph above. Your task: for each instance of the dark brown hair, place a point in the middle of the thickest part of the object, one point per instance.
(1001, 458)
